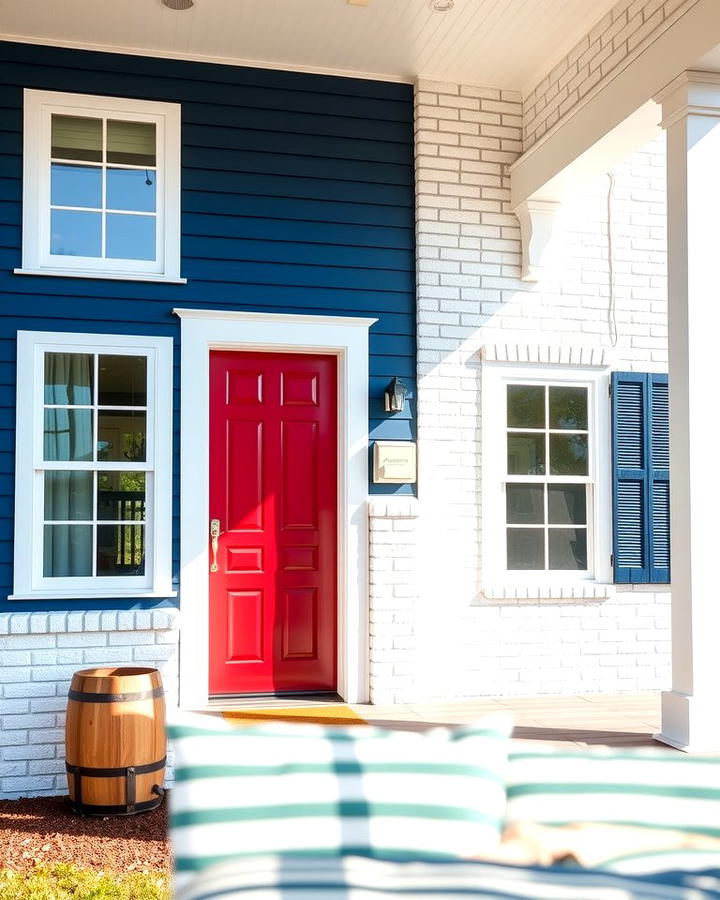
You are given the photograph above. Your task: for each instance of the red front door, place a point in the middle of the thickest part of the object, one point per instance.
(273, 487)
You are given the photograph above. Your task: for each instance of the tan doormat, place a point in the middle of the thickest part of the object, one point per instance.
(324, 715)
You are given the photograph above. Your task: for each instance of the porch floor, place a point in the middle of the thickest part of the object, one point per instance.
(616, 720)
(613, 720)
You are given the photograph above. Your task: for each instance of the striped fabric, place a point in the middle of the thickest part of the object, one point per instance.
(309, 789)
(353, 878)
(643, 788)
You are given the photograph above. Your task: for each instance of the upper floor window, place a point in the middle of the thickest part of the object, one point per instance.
(101, 187)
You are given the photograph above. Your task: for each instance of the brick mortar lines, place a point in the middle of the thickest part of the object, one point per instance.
(617, 39)
(34, 680)
(469, 294)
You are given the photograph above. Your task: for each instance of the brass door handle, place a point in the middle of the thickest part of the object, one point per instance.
(214, 535)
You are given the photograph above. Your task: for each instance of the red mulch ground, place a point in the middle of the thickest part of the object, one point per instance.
(45, 830)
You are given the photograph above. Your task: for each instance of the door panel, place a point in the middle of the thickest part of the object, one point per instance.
(273, 486)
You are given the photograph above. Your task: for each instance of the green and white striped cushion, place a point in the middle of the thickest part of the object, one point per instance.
(311, 789)
(354, 878)
(643, 788)
(684, 860)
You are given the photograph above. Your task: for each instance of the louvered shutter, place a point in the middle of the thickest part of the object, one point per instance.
(659, 463)
(641, 497)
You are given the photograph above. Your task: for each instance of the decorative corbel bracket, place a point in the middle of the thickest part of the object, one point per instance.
(537, 220)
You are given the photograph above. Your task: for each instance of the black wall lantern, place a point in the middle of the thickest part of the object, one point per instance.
(395, 394)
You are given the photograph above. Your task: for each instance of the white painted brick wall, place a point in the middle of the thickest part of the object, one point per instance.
(470, 297)
(614, 42)
(393, 597)
(39, 652)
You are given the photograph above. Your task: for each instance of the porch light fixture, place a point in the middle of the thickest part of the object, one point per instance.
(395, 394)
(441, 5)
(177, 4)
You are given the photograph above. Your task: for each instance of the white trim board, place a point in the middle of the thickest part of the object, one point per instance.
(345, 338)
(500, 581)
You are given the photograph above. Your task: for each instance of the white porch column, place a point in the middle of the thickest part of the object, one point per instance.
(691, 116)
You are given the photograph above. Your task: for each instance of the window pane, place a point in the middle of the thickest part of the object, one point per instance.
(121, 550)
(123, 380)
(526, 454)
(568, 408)
(75, 233)
(525, 504)
(69, 378)
(132, 143)
(130, 237)
(76, 186)
(567, 504)
(131, 189)
(121, 496)
(526, 548)
(567, 548)
(68, 495)
(67, 551)
(525, 406)
(68, 435)
(568, 454)
(121, 436)
(76, 137)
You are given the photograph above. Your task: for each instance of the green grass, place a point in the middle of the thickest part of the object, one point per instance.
(64, 882)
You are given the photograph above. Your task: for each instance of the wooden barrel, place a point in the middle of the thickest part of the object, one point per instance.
(115, 741)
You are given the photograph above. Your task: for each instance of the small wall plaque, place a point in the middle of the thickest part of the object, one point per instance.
(395, 462)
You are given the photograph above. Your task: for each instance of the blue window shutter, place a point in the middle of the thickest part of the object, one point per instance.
(630, 477)
(640, 465)
(659, 464)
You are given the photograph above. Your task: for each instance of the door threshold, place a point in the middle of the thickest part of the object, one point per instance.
(272, 701)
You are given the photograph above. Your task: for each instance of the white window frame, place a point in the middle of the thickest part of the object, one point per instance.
(29, 582)
(496, 376)
(39, 106)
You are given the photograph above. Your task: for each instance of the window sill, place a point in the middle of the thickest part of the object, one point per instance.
(578, 590)
(112, 276)
(94, 595)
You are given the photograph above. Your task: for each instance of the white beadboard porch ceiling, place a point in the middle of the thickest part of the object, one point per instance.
(507, 43)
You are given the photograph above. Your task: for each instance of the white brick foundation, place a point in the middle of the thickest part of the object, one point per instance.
(39, 654)
(393, 597)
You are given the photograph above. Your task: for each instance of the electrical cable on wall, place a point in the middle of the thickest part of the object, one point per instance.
(612, 317)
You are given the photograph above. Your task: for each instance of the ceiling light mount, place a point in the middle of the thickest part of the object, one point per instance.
(441, 5)
(177, 4)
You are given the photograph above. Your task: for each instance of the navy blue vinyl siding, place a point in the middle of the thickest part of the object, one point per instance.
(297, 197)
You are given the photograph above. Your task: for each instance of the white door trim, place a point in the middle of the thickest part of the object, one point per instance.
(347, 339)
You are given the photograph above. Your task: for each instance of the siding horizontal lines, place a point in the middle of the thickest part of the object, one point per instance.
(32, 62)
(267, 162)
(273, 123)
(329, 232)
(297, 198)
(344, 145)
(365, 197)
(199, 294)
(329, 256)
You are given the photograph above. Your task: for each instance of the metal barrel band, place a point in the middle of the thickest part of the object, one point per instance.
(129, 773)
(93, 772)
(89, 697)
(89, 809)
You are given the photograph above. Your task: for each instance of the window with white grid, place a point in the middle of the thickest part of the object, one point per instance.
(93, 464)
(101, 190)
